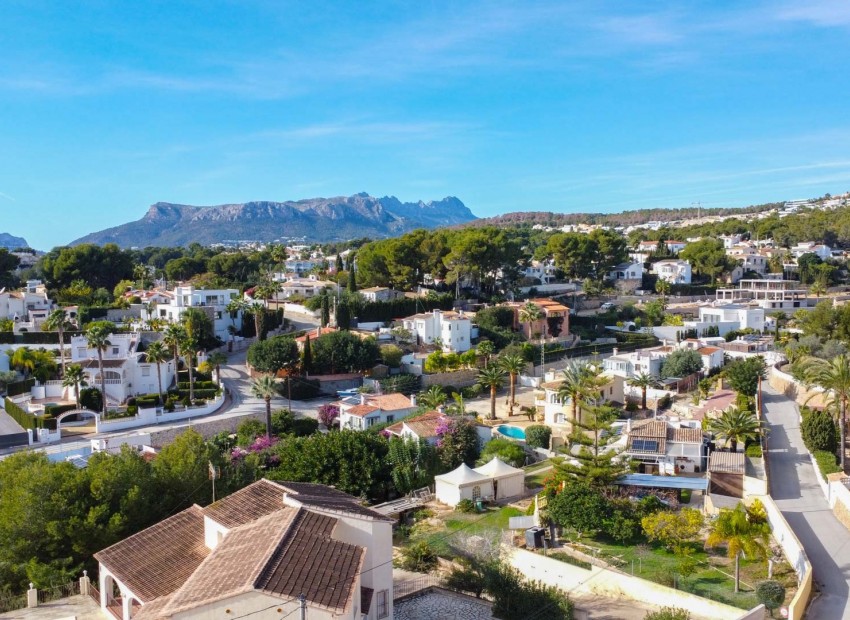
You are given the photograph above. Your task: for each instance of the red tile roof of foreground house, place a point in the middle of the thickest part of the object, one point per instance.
(390, 402)
(317, 333)
(361, 411)
(424, 425)
(158, 560)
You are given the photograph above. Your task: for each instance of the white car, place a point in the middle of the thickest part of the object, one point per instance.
(606, 306)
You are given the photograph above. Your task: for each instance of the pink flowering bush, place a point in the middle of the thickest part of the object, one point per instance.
(328, 414)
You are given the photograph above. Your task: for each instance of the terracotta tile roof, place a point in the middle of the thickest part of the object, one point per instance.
(648, 437)
(390, 402)
(106, 363)
(313, 335)
(726, 463)
(321, 497)
(425, 426)
(360, 410)
(649, 428)
(236, 562)
(708, 350)
(158, 560)
(152, 610)
(685, 435)
(552, 385)
(253, 502)
(308, 561)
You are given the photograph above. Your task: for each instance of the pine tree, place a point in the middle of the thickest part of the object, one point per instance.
(343, 315)
(596, 466)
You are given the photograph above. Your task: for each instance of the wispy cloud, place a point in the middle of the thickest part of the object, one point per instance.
(7, 197)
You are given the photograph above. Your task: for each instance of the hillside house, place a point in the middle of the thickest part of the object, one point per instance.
(380, 293)
(662, 448)
(558, 412)
(452, 329)
(365, 410)
(270, 550)
(126, 369)
(673, 271)
(27, 308)
(213, 302)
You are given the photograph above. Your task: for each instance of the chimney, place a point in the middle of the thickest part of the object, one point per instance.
(413, 400)
(362, 399)
(614, 351)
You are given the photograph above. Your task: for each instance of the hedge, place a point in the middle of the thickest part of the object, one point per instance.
(827, 463)
(86, 314)
(537, 436)
(28, 420)
(57, 410)
(183, 377)
(207, 394)
(19, 387)
(203, 385)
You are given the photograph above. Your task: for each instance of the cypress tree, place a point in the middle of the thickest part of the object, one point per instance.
(326, 311)
(352, 280)
(307, 356)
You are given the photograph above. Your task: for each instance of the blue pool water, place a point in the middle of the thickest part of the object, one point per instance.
(514, 432)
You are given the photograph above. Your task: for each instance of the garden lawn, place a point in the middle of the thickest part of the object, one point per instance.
(440, 536)
(713, 577)
(537, 473)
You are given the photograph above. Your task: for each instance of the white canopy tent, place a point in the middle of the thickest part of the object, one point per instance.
(462, 483)
(508, 481)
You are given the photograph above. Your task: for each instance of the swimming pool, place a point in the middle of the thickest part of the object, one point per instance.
(514, 432)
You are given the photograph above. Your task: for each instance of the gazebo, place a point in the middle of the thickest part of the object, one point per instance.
(462, 483)
(508, 481)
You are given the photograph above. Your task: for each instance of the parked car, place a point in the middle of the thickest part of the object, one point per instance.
(607, 305)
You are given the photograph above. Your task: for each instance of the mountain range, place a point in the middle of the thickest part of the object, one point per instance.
(316, 219)
(11, 242)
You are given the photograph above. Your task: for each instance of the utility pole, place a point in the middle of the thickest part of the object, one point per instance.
(302, 600)
(698, 203)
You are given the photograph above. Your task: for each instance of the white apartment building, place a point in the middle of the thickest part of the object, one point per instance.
(454, 329)
(213, 302)
(673, 271)
(125, 369)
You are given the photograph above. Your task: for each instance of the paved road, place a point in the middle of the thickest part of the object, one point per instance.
(794, 487)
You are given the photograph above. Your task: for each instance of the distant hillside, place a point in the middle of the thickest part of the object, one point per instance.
(10, 242)
(626, 218)
(317, 219)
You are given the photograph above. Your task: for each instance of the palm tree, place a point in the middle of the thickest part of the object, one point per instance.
(74, 376)
(734, 425)
(265, 387)
(833, 376)
(172, 337)
(22, 359)
(158, 353)
(258, 310)
(580, 385)
(58, 321)
(491, 377)
(530, 313)
(644, 381)
(485, 349)
(234, 307)
(741, 535)
(188, 346)
(513, 365)
(433, 397)
(97, 337)
(217, 359)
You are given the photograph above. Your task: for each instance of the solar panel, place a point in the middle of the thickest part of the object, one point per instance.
(645, 445)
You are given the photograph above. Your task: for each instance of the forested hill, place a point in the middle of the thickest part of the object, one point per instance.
(626, 218)
(316, 219)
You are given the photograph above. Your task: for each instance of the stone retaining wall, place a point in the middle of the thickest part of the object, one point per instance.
(208, 430)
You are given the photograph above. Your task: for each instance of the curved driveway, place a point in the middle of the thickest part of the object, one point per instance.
(794, 487)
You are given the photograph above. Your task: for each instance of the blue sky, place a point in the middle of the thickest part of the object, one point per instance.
(108, 107)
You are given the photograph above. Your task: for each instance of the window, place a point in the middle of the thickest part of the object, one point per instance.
(82, 351)
(383, 603)
(476, 493)
(115, 350)
(146, 371)
(390, 418)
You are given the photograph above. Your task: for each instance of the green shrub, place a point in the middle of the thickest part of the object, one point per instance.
(91, 398)
(57, 410)
(819, 431)
(419, 557)
(771, 594)
(754, 450)
(24, 418)
(568, 559)
(827, 463)
(466, 580)
(132, 410)
(668, 613)
(303, 427)
(19, 387)
(537, 436)
(466, 506)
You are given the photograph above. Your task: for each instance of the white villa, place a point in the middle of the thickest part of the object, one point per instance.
(663, 448)
(627, 271)
(453, 329)
(823, 252)
(126, 369)
(380, 293)
(634, 363)
(269, 551)
(769, 294)
(365, 410)
(28, 307)
(541, 270)
(674, 271)
(213, 302)
(557, 413)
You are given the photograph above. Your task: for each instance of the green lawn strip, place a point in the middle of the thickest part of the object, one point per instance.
(541, 465)
(709, 581)
(470, 524)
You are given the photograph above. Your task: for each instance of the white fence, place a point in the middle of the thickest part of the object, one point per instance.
(150, 417)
